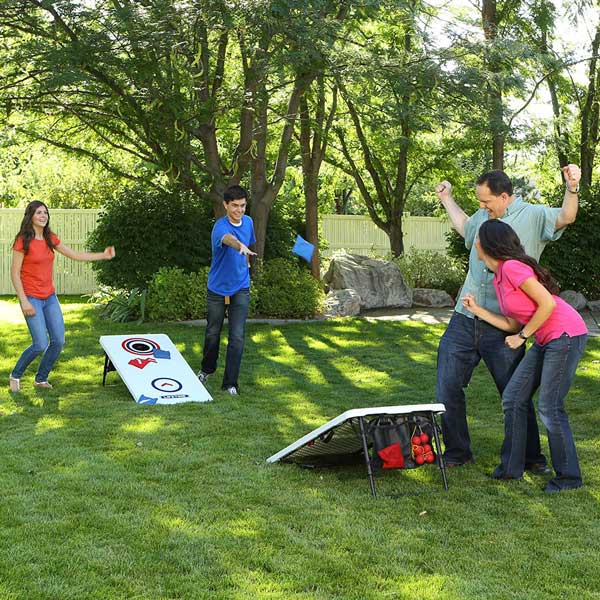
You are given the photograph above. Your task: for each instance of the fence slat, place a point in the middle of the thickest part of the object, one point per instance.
(72, 226)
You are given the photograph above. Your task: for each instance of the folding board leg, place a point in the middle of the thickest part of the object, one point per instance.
(363, 435)
(108, 366)
(438, 448)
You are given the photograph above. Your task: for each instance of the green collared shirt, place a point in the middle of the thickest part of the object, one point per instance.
(535, 225)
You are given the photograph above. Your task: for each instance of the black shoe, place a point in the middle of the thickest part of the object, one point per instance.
(538, 468)
(553, 488)
(450, 463)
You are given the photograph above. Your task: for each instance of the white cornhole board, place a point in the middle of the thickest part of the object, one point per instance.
(153, 369)
(340, 436)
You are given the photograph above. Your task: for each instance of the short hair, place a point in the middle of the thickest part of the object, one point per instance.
(234, 192)
(498, 182)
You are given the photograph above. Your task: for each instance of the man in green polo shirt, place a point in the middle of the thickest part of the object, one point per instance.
(467, 339)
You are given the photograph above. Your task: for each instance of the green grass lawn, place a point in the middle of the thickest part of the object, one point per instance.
(105, 499)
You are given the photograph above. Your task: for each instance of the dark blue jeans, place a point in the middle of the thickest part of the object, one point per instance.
(550, 368)
(237, 313)
(465, 342)
(46, 324)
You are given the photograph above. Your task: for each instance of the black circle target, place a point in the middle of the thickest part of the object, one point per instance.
(166, 384)
(140, 346)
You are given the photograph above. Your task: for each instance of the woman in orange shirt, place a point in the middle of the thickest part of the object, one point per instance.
(31, 274)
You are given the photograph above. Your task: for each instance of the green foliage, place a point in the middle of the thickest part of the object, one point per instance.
(575, 259)
(429, 269)
(174, 295)
(121, 306)
(151, 229)
(456, 249)
(41, 172)
(286, 290)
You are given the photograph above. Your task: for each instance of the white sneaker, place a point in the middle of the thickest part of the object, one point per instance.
(202, 376)
(14, 385)
(43, 384)
(232, 391)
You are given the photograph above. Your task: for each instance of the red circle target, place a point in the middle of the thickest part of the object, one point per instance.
(140, 346)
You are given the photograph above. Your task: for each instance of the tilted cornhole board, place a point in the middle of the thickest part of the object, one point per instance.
(344, 438)
(152, 369)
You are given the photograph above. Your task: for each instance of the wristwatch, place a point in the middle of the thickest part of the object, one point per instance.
(575, 191)
(522, 335)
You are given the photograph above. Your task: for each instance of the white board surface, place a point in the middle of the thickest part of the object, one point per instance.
(153, 369)
(319, 440)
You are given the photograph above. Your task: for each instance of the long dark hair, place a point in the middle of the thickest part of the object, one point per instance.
(27, 232)
(499, 241)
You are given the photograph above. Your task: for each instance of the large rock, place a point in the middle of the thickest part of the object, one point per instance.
(342, 303)
(594, 305)
(432, 298)
(379, 283)
(575, 299)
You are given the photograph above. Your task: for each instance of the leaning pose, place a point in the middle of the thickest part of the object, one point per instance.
(31, 274)
(530, 307)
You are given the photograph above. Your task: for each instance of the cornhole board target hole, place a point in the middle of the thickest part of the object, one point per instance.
(152, 369)
(344, 440)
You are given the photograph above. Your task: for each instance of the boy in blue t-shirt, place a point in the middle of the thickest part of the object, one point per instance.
(228, 286)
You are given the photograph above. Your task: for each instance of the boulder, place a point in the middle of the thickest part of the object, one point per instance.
(594, 306)
(379, 283)
(575, 299)
(432, 298)
(342, 303)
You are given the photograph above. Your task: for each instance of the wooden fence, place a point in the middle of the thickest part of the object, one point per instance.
(353, 233)
(72, 227)
(359, 235)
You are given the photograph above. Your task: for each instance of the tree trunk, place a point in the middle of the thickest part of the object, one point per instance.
(396, 236)
(495, 105)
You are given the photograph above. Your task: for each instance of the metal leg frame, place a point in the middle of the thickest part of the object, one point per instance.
(108, 367)
(438, 449)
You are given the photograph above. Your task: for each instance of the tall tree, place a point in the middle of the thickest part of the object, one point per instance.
(315, 130)
(201, 92)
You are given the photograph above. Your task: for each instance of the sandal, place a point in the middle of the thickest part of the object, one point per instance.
(14, 385)
(42, 384)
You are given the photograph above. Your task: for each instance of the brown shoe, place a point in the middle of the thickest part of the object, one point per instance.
(43, 384)
(14, 385)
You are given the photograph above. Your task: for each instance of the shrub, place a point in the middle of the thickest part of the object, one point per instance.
(456, 249)
(429, 269)
(151, 229)
(283, 289)
(574, 259)
(174, 295)
(120, 306)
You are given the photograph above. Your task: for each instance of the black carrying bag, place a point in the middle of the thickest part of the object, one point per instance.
(391, 440)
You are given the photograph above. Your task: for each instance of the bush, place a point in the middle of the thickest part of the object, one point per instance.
(151, 229)
(456, 249)
(574, 259)
(429, 269)
(283, 289)
(174, 295)
(120, 306)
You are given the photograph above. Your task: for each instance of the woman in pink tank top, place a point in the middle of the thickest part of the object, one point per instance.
(530, 307)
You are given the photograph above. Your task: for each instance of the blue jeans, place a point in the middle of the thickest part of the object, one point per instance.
(237, 313)
(550, 368)
(48, 318)
(465, 342)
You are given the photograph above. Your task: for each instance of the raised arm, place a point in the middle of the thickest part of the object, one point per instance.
(568, 212)
(108, 254)
(457, 215)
